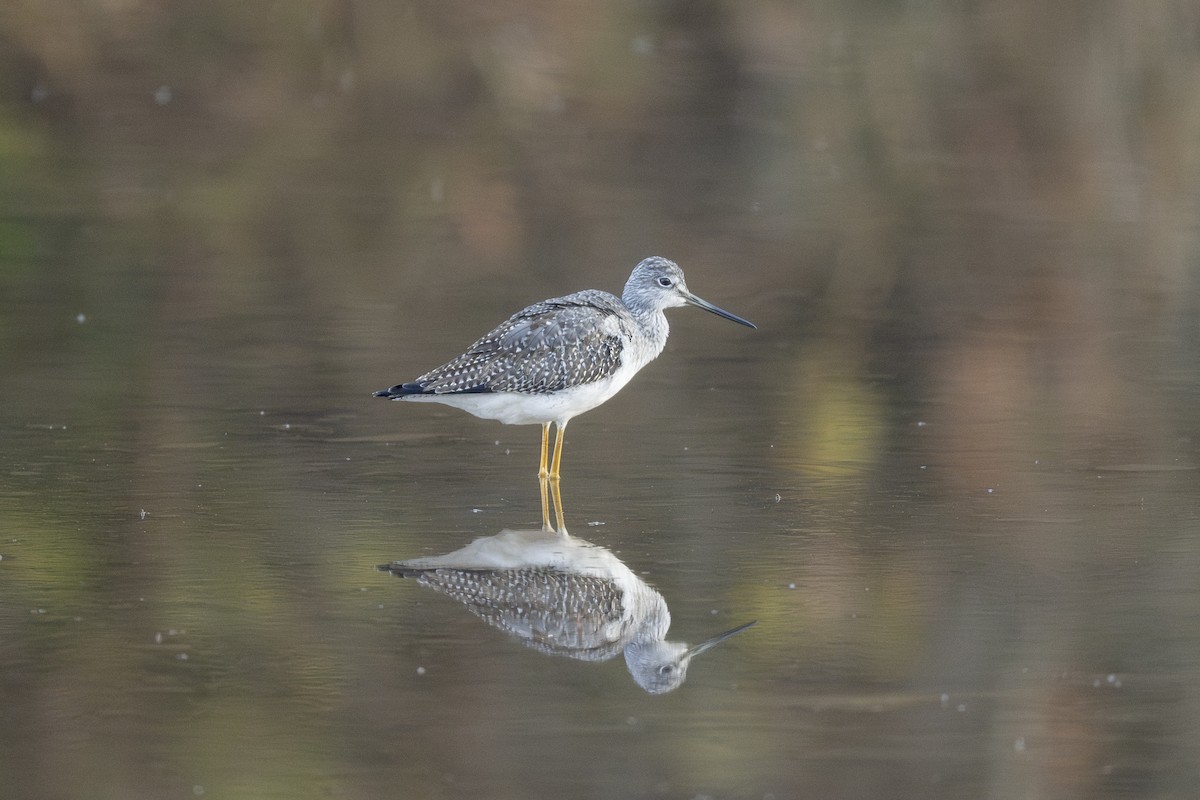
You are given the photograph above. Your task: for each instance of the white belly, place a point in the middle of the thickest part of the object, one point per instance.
(513, 408)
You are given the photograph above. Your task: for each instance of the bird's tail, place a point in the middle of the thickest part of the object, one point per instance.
(401, 390)
(401, 570)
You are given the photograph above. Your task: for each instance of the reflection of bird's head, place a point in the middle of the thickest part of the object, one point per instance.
(660, 667)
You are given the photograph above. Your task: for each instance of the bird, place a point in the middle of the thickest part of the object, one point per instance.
(556, 359)
(563, 596)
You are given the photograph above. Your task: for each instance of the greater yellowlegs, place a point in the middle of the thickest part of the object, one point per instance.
(566, 597)
(561, 357)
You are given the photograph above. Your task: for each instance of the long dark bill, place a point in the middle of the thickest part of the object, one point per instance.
(720, 312)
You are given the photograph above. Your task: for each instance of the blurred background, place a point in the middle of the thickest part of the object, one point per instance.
(952, 474)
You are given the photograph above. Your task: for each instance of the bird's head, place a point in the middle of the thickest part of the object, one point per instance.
(657, 283)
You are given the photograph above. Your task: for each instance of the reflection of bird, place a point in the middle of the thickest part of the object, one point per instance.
(561, 357)
(563, 596)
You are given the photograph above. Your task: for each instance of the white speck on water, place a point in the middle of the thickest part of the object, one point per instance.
(631, 720)
(507, 451)
(287, 426)
(182, 656)
(714, 612)
(162, 95)
(1019, 744)
(142, 514)
(595, 523)
(198, 790)
(81, 318)
(497, 443)
(791, 586)
(990, 490)
(962, 707)
(420, 670)
(921, 423)
(778, 497)
(945, 700)
(158, 637)
(476, 510)
(924, 467)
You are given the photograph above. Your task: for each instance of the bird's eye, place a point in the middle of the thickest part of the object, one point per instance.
(666, 669)
(665, 282)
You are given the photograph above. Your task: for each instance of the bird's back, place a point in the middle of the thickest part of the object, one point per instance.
(547, 347)
(561, 613)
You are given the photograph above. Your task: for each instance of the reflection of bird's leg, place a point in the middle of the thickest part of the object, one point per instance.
(558, 510)
(544, 477)
(544, 484)
(555, 474)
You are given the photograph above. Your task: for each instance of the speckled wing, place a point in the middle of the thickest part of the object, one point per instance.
(559, 613)
(549, 346)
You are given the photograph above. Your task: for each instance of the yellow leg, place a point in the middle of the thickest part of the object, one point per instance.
(542, 471)
(544, 477)
(556, 474)
(558, 443)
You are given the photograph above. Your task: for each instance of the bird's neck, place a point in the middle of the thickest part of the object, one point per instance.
(653, 617)
(654, 327)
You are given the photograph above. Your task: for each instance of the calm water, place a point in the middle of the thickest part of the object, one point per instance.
(952, 475)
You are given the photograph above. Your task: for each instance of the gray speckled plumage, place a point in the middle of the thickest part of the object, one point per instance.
(549, 346)
(556, 612)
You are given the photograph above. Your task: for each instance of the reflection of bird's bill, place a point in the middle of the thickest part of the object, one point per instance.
(716, 640)
(720, 312)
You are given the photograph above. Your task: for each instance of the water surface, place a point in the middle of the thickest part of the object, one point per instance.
(952, 475)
